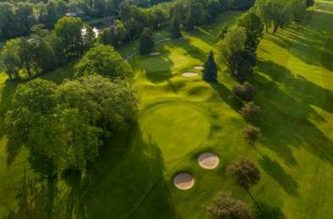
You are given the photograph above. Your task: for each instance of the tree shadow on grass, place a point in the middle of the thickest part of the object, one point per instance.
(265, 211)
(286, 102)
(125, 182)
(7, 94)
(128, 181)
(227, 96)
(308, 41)
(275, 170)
(193, 51)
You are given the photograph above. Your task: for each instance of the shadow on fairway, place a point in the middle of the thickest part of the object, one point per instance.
(126, 182)
(265, 211)
(310, 42)
(275, 170)
(287, 111)
(156, 68)
(227, 96)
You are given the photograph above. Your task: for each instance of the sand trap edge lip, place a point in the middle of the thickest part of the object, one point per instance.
(208, 160)
(183, 180)
(189, 74)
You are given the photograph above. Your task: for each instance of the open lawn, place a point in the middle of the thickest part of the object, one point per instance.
(182, 117)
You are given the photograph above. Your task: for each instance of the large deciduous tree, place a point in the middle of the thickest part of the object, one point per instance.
(275, 12)
(234, 54)
(103, 60)
(75, 36)
(63, 127)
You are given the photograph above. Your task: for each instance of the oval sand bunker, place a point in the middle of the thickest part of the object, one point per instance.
(183, 181)
(199, 67)
(189, 74)
(208, 161)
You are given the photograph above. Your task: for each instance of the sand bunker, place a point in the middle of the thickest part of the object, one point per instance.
(208, 161)
(189, 74)
(199, 67)
(155, 54)
(184, 181)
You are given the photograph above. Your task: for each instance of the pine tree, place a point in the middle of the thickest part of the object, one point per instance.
(146, 42)
(210, 69)
(175, 29)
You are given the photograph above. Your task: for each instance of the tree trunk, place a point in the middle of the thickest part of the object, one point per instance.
(276, 27)
(267, 28)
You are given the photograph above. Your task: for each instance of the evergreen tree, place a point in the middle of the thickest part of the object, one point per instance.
(175, 29)
(146, 41)
(210, 69)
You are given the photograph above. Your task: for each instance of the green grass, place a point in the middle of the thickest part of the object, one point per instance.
(181, 117)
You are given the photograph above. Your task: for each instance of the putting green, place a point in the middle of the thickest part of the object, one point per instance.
(176, 128)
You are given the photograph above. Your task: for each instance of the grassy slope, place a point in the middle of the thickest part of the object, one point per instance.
(183, 116)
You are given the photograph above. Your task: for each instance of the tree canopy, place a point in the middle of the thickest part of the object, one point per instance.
(226, 207)
(103, 60)
(63, 126)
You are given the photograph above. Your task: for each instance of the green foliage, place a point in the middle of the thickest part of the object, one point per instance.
(113, 35)
(33, 56)
(226, 207)
(103, 60)
(245, 172)
(75, 36)
(253, 28)
(175, 30)
(234, 54)
(210, 69)
(146, 42)
(63, 126)
(244, 92)
(250, 111)
(279, 13)
(251, 134)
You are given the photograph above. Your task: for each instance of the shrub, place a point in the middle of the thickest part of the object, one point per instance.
(245, 91)
(252, 134)
(225, 207)
(245, 172)
(250, 111)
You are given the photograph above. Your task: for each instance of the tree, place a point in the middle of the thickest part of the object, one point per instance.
(146, 42)
(213, 8)
(210, 69)
(8, 19)
(113, 35)
(234, 54)
(103, 60)
(63, 126)
(175, 29)
(75, 36)
(225, 207)
(245, 172)
(251, 134)
(250, 111)
(111, 105)
(240, 4)
(276, 12)
(11, 58)
(195, 15)
(244, 92)
(310, 3)
(253, 28)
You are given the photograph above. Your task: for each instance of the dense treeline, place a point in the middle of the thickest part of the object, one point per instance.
(20, 16)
